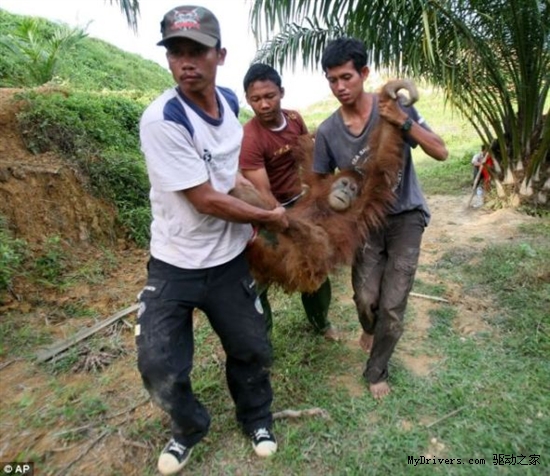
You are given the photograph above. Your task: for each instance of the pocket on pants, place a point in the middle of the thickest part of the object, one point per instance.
(149, 303)
(152, 289)
(250, 293)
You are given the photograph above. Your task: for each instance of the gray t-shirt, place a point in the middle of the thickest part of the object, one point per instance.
(337, 148)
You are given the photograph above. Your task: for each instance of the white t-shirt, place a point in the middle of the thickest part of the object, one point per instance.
(477, 159)
(183, 148)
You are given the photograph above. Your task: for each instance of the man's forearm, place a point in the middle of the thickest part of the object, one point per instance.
(208, 201)
(429, 141)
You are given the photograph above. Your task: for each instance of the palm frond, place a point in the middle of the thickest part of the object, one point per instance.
(297, 45)
(130, 9)
(490, 57)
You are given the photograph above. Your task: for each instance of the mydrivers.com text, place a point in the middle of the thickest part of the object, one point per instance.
(498, 460)
(415, 461)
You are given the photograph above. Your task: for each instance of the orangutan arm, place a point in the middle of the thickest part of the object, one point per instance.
(260, 180)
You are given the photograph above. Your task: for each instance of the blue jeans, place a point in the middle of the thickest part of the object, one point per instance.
(165, 344)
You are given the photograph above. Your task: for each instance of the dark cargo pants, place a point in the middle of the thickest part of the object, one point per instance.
(382, 277)
(164, 338)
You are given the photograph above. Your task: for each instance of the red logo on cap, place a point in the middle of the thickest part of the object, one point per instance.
(187, 20)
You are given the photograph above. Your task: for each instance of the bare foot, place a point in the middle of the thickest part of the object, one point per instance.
(332, 335)
(365, 342)
(379, 390)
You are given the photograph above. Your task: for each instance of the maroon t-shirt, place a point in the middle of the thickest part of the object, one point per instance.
(275, 150)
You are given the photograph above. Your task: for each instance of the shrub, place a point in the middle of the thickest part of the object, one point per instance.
(12, 254)
(99, 133)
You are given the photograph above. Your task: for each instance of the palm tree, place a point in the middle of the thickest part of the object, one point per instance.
(39, 52)
(130, 8)
(491, 58)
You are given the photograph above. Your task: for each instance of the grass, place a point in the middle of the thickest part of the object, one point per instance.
(485, 395)
(12, 255)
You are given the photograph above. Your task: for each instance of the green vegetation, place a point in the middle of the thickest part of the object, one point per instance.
(12, 255)
(518, 275)
(52, 262)
(99, 133)
(16, 337)
(37, 50)
(88, 65)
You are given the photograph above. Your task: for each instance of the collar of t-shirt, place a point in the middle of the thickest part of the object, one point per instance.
(281, 127)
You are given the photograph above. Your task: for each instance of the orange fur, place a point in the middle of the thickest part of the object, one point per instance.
(320, 239)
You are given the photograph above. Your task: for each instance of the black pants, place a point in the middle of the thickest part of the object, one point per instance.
(382, 277)
(227, 295)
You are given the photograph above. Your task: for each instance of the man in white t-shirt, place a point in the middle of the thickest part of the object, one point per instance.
(477, 161)
(191, 137)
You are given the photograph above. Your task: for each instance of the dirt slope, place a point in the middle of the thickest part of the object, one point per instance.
(40, 195)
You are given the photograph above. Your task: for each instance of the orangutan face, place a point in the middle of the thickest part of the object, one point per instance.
(343, 192)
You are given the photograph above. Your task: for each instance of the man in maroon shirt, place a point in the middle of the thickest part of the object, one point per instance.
(268, 159)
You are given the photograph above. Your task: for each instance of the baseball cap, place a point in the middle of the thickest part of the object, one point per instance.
(188, 21)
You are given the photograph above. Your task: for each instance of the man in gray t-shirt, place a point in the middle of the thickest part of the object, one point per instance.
(384, 267)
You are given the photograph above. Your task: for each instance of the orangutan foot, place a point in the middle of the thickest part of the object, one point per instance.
(365, 342)
(379, 390)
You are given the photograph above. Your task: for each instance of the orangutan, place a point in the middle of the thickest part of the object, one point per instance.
(335, 214)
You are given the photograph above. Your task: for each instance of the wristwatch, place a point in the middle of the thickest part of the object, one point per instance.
(406, 126)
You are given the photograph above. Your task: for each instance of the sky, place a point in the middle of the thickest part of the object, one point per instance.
(108, 23)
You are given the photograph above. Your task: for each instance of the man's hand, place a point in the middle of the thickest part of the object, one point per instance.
(278, 220)
(428, 140)
(389, 110)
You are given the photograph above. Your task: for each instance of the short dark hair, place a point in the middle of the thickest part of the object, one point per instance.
(342, 50)
(261, 72)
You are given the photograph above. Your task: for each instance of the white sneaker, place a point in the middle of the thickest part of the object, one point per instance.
(173, 458)
(263, 442)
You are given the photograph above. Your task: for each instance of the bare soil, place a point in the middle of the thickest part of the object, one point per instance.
(41, 196)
